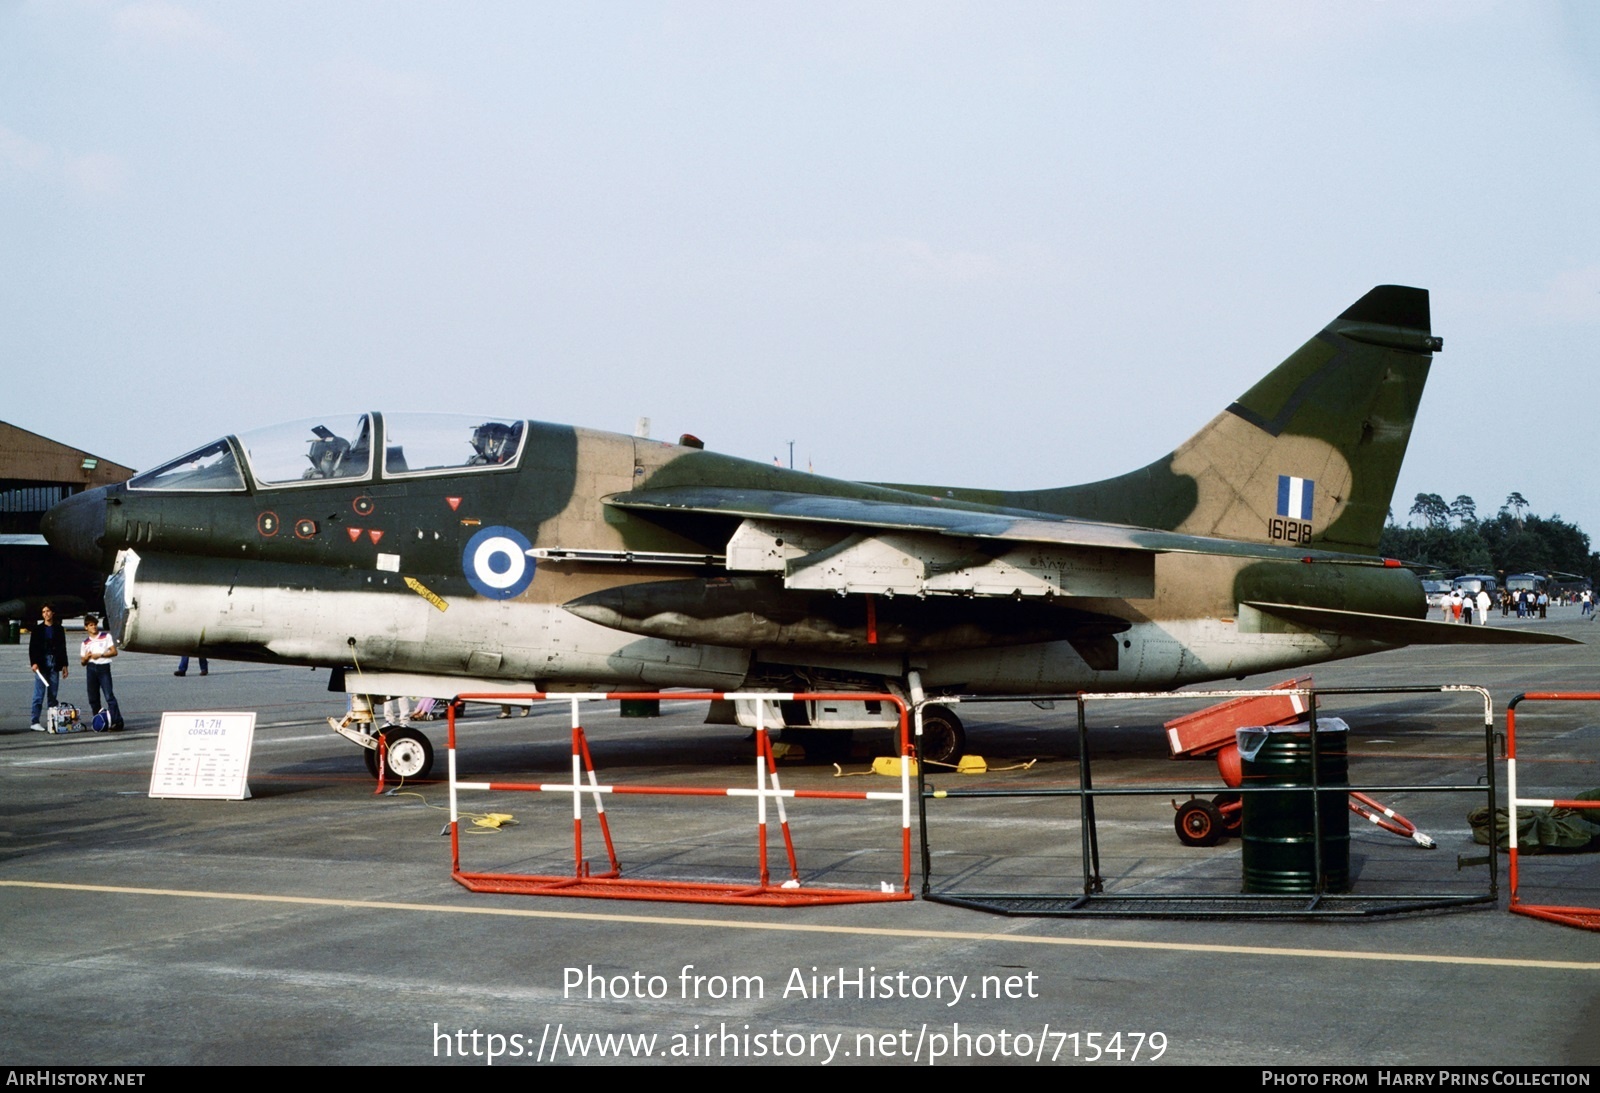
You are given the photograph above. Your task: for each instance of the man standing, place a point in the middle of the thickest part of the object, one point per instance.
(95, 656)
(47, 656)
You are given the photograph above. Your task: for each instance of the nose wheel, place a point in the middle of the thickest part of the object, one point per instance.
(407, 755)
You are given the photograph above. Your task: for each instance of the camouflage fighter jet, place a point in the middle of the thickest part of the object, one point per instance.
(424, 554)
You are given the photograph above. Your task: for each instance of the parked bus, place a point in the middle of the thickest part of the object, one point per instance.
(1470, 584)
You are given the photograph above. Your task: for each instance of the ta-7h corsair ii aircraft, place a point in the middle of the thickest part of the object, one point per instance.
(433, 555)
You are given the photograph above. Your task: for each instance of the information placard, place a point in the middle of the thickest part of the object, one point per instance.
(204, 754)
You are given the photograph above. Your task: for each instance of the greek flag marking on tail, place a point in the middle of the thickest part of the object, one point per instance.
(1294, 497)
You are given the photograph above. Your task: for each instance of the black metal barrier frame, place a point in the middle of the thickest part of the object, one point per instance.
(1094, 901)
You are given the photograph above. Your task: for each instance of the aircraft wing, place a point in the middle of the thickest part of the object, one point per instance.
(1002, 525)
(1394, 630)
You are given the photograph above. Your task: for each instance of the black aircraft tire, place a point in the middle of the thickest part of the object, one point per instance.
(369, 756)
(943, 739)
(1199, 823)
(409, 756)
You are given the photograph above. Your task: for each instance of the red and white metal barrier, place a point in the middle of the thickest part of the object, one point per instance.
(612, 884)
(1586, 918)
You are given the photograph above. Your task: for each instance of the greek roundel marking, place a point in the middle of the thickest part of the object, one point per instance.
(496, 562)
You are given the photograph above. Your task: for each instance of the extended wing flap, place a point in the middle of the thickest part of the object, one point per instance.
(960, 521)
(1394, 630)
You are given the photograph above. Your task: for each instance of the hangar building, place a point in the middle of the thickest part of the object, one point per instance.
(35, 473)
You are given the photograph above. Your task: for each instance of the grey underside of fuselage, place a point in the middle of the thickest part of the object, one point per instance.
(374, 621)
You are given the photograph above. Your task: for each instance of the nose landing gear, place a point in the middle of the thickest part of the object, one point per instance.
(407, 755)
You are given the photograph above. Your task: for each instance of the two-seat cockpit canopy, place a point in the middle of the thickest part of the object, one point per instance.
(341, 448)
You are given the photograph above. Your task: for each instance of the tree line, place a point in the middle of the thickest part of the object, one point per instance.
(1514, 540)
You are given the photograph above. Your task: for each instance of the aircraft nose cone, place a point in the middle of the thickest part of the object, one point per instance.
(76, 527)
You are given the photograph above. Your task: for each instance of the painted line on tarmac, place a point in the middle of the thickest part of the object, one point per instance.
(100, 756)
(94, 756)
(814, 928)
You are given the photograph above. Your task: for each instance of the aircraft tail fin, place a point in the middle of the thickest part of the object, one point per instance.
(1310, 454)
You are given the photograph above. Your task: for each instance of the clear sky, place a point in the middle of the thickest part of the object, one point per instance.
(990, 244)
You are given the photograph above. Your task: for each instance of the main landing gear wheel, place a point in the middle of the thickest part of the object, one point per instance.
(1199, 823)
(943, 739)
(409, 755)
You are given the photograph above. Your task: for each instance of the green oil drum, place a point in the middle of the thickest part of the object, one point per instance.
(1278, 829)
(641, 707)
(13, 632)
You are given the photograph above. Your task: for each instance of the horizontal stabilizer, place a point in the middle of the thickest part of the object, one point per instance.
(1393, 630)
